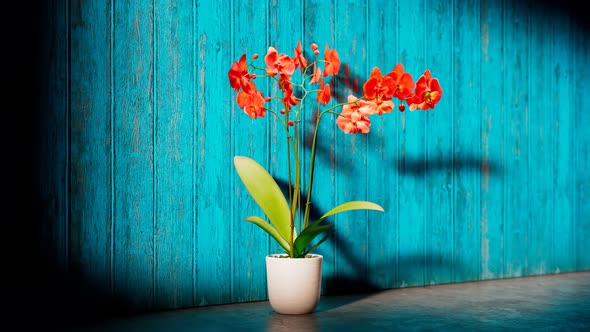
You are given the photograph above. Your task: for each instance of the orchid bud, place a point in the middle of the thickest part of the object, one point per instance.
(314, 47)
(290, 123)
(402, 107)
(267, 99)
(283, 111)
(255, 56)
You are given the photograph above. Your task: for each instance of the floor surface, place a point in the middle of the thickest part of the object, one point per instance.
(544, 303)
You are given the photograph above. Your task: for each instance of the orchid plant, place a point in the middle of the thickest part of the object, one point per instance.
(352, 117)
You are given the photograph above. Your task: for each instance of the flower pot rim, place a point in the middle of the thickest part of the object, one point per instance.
(285, 256)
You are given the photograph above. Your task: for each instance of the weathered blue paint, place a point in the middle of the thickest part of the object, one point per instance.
(439, 161)
(411, 161)
(466, 95)
(174, 154)
(382, 147)
(516, 135)
(541, 144)
(492, 148)
(140, 127)
(91, 144)
(319, 28)
(250, 244)
(216, 34)
(134, 253)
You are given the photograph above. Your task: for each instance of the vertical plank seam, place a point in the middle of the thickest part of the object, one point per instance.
(68, 133)
(366, 267)
(573, 90)
(397, 176)
(194, 155)
(504, 211)
(232, 296)
(477, 200)
(154, 161)
(112, 142)
(425, 219)
(528, 143)
(453, 147)
(554, 141)
(335, 129)
(571, 165)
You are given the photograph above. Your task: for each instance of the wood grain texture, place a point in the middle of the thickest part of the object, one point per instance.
(582, 150)
(350, 151)
(175, 152)
(91, 169)
(139, 127)
(250, 137)
(542, 140)
(492, 222)
(319, 29)
(382, 173)
(466, 138)
(439, 157)
(53, 148)
(215, 149)
(134, 270)
(411, 160)
(515, 138)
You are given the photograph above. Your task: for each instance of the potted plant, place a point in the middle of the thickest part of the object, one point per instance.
(294, 277)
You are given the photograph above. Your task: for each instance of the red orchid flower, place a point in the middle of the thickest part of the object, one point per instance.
(324, 93)
(299, 59)
(278, 63)
(316, 75)
(332, 62)
(252, 103)
(379, 88)
(285, 85)
(428, 93)
(404, 83)
(354, 117)
(239, 77)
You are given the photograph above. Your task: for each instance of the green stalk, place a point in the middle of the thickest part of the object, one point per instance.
(311, 168)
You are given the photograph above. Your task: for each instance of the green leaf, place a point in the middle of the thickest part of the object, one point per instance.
(327, 236)
(308, 234)
(353, 205)
(267, 194)
(270, 230)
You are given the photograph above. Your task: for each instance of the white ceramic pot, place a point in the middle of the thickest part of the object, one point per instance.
(294, 284)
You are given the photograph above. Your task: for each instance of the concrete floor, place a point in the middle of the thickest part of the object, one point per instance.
(544, 303)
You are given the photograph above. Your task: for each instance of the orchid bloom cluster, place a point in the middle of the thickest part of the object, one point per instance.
(378, 94)
(379, 90)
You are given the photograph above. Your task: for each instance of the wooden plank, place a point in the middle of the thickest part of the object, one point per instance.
(466, 138)
(382, 248)
(53, 148)
(516, 136)
(134, 153)
(563, 155)
(540, 255)
(411, 158)
(91, 145)
(284, 34)
(174, 154)
(439, 170)
(492, 146)
(319, 29)
(350, 153)
(251, 244)
(215, 173)
(582, 150)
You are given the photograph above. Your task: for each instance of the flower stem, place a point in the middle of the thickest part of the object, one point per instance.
(311, 168)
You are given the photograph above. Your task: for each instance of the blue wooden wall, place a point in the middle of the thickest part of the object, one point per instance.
(139, 127)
